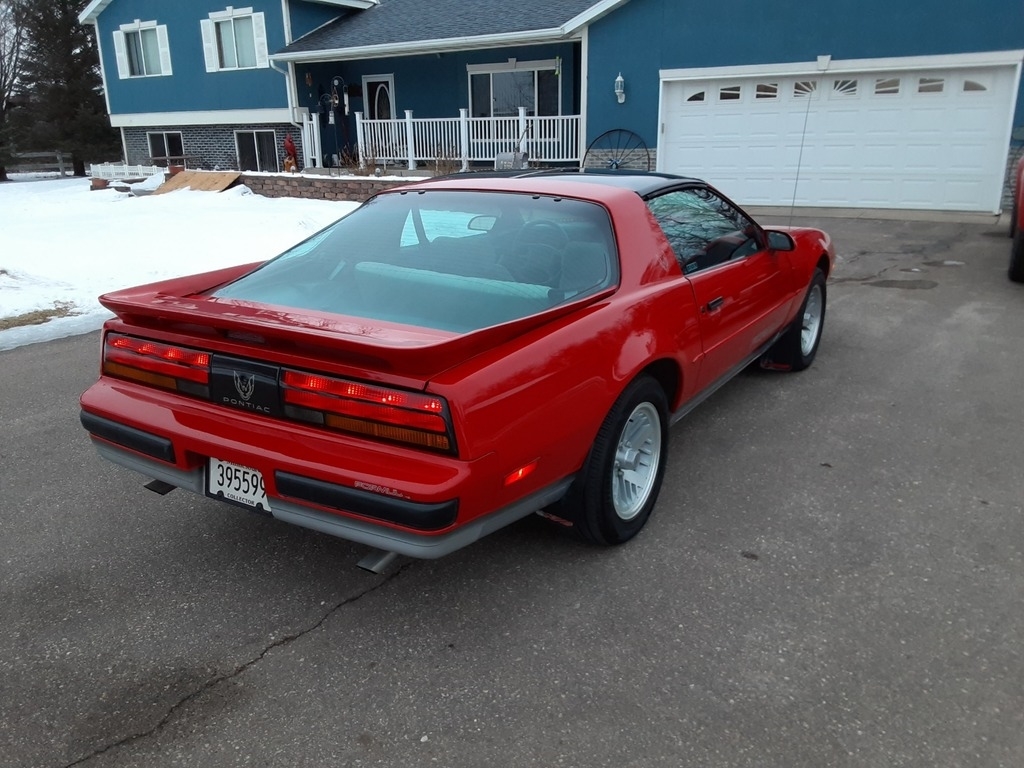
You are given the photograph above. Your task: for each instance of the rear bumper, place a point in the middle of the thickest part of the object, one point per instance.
(303, 498)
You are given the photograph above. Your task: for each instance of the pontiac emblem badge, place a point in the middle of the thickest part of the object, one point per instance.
(245, 385)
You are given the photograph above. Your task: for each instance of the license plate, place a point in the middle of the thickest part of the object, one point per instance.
(242, 485)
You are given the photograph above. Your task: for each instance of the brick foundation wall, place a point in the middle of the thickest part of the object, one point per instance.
(212, 145)
(319, 187)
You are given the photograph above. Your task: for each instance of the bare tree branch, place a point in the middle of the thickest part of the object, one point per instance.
(12, 46)
(12, 49)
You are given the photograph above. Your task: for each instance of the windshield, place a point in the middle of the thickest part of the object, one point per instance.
(448, 260)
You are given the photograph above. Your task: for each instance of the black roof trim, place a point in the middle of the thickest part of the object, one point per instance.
(641, 182)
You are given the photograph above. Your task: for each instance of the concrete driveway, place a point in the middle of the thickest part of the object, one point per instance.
(834, 576)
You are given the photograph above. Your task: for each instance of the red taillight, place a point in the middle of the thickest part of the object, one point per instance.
(387, 414)
(152, 362)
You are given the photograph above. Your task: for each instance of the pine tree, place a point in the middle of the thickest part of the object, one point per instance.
(61, 86)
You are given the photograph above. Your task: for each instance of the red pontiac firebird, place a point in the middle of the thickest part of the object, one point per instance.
(457, 354)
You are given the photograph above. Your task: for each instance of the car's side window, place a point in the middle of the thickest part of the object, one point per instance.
(703, 229)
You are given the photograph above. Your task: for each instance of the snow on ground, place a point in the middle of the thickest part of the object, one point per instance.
(61, 243)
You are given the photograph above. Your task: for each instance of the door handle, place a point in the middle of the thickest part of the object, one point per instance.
(715, 304)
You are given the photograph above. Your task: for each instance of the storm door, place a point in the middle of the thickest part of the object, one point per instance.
(379, 96)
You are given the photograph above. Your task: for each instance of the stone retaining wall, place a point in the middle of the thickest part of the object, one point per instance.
(319, 187)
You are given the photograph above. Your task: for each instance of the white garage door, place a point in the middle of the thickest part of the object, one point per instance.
(923, 138)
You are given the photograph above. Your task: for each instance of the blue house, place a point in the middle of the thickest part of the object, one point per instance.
(853, 103)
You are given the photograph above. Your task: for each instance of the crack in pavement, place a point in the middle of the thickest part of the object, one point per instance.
(238, 670)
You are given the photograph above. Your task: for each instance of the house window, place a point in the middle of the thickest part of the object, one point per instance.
(142, 50)
(499, 90)
(257, 150)
(235, 38)
(165, 147)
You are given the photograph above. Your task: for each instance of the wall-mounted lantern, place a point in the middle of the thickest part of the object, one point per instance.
(620, 89)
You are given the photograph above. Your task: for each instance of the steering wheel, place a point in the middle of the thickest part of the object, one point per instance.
(543, 232)
(536, 253)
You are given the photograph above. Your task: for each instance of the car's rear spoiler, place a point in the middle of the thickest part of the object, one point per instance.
(181, 305)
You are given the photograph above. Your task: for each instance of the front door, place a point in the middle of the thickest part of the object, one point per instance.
(736, 281)
(379, 97)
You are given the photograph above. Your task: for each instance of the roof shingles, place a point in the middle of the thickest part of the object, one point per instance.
(412, 21)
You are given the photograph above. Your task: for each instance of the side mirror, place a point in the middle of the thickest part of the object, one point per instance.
(780, 241)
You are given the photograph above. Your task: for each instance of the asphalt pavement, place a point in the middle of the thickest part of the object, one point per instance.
(833, 576)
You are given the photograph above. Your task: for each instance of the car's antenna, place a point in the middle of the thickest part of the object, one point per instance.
(823, 62)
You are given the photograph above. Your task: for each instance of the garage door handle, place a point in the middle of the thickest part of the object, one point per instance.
(715, 304)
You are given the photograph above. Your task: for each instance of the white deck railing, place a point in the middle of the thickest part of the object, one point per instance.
(467, 139)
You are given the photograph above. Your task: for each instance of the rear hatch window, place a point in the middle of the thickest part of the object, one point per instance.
(447, 260)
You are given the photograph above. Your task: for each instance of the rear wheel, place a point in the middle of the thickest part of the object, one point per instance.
(618, 487)
(1017, 257)
(797, 347)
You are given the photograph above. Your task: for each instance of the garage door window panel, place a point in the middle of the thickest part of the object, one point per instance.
(703, 229)
(887, 86)
(803, 89)
(844, 87)
(931, 85)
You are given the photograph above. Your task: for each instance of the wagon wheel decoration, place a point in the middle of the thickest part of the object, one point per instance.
(618, 150)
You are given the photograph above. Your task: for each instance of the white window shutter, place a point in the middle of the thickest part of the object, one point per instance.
(259, 33)
(165, 49)
(122, 56)
(210, 45)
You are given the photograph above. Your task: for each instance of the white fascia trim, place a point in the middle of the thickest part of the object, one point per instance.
(103, 70)
(540, 36)
(841, 66)
(212, 117)
(92, 10)
(592, 14)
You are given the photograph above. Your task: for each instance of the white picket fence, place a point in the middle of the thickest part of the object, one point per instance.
(465, 139)
(115, 171)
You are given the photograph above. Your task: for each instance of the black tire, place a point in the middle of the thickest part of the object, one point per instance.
(1017, 257)
(604, 506)
(794, 352)
(1013, 219)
